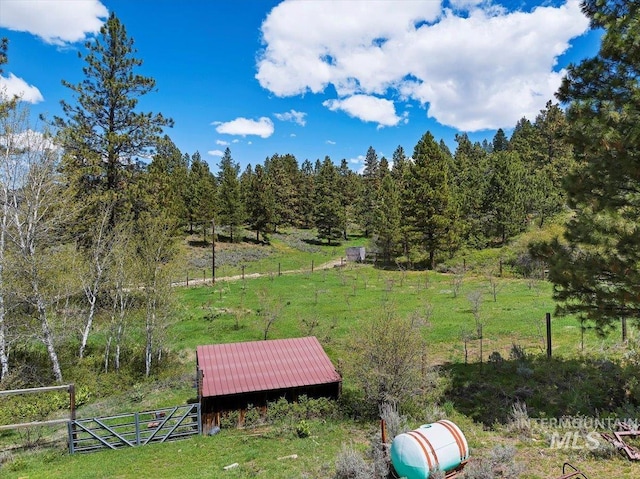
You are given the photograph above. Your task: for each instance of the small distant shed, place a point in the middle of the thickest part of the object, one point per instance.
(356, 253)
(233, 375)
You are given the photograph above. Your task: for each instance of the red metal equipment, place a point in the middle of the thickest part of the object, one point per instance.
(617, 440)
(574, 472)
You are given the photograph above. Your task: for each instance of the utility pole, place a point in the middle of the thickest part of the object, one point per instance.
(213, 251)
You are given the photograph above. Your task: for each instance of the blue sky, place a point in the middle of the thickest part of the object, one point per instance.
(311, 77)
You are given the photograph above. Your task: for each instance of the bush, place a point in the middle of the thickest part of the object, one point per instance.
(394, 422)
(302, 429)
(517, 353)
(436, 474)
(500, 463)
(229, 419)
(478, 469)
(379, 457)
(252, 417)
(519, 419)
(304, 408)
(351, 465)
(434, 413)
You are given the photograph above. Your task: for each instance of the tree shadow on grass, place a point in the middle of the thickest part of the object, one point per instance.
(321, 242)
(199, 243)
(550, 388)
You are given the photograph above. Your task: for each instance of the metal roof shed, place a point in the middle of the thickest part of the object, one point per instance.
(233, 375)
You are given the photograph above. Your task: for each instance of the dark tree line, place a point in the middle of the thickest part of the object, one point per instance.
(415, 208)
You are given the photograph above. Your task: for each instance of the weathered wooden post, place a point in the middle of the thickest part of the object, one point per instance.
(548, 319)
(312, 266)
(73, 437)
(481, 340)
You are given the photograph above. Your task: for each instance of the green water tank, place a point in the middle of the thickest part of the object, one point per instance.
(440, 445)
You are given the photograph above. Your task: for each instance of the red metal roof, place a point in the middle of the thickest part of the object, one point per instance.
(236, 368)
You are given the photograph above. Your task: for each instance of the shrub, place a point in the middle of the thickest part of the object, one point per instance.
(519, 419)
(436, 474)
(351, 465)
(302, 429)
(379, 457)
(524, 371)
(495, 358)
(433, 413)
(500, 463)
(478, 469)
(517, 353)
(229, 419)
(395, 423)
(252, 416)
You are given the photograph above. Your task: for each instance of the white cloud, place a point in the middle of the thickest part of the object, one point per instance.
(14, 86)
(55, 21)
(235, 140)
(476, 67)
(222, 143)
(293, 115)
(292, 135)
(366, 108)
(359, 161)
(263, 127)
(29, 140)
(215, 153)
(330, 142)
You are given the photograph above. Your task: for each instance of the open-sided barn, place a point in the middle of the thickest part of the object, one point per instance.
(233, 375)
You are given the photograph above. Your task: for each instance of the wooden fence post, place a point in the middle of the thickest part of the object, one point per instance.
(548, 320)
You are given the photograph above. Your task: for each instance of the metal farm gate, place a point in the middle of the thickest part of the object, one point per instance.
(134, 429)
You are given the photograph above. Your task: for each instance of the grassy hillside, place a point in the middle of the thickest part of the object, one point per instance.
(587, 377)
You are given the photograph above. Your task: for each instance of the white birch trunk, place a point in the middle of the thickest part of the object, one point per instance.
(32, 225)
(4, 353)
(47, 339)
(6, 175)
(100, 254)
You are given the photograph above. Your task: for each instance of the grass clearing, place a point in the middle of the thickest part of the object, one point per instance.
(585, 377)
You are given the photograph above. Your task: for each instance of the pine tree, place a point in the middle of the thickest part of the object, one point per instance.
(282, 171)
(432, 199)
(505, 198)
(168, 181)
(554, 162)
(203, 199)
(401, 173)
(370, 187)
(328, 212)
(230, 207)
(102, 134)
(350, 188)
(500, 142)
(261, 204)
(596, 275)
(388, 233)
(470, 185)
(306, 192)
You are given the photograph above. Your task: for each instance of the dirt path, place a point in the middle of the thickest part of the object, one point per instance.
(328, 265)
